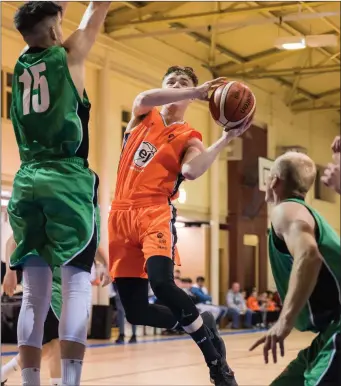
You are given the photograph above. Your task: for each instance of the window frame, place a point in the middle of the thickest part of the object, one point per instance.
(4, 90)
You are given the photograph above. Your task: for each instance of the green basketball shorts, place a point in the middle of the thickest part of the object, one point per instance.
(317, 365)
(53, 211)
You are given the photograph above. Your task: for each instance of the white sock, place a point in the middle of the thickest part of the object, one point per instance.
(9, 368)
(30, 376)
(56, 381)
(71, 372)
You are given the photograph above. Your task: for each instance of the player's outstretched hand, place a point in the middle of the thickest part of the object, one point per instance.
(10, 282)
(331, 176)
(336, 145)
(275, 336)
(204, 90)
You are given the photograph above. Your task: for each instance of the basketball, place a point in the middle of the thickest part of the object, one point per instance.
(231, 104)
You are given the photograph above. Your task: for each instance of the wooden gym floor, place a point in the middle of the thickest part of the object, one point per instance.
(173, 361)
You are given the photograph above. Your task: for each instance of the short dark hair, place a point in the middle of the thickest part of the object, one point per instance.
(200, 278)
(32, 13)
(183, 70)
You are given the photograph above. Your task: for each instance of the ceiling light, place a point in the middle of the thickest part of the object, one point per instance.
(291, 43)
(300, 42)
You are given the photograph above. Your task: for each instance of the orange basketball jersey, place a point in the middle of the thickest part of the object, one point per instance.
(150, 164)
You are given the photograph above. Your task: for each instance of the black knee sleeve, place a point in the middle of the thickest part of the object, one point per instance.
(160, 272)
(160, 275)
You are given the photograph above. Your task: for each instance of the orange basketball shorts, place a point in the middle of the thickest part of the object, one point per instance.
(136, 234)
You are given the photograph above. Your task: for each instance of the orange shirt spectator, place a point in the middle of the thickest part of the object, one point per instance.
(271, 305)
(252, 302)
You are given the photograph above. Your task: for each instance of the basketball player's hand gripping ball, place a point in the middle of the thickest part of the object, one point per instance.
(204, 90)
(232, 106)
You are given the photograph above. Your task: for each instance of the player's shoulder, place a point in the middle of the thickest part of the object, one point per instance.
(135, 121)
(289, 212)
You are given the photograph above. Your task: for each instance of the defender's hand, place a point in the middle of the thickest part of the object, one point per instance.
(10, 282)
(336, 145)
(276, 335)
(104, 275)
(331, 176)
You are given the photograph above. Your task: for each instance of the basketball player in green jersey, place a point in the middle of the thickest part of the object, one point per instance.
(53, 208)
(305, 258)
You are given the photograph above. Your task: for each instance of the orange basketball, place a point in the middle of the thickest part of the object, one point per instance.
(231, 104)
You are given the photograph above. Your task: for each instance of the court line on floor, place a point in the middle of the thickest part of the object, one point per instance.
(153, 340)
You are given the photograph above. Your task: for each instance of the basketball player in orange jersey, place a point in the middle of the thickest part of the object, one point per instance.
(160, 150)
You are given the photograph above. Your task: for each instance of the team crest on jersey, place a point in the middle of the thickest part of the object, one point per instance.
(144, 154)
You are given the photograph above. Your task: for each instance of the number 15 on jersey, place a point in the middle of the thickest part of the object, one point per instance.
(37, 96)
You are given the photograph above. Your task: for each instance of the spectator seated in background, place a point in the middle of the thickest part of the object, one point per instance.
(272, 309)
(120, 317)
(277, 300)
(177, 274)
(237, 307)
(258, 311)
(201, 292)
(186, 285)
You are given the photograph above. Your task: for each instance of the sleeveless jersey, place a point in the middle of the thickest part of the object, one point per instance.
(150, 164)
(50, 120)
(324, 305)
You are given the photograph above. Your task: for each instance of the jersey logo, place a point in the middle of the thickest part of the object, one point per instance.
(144, 154)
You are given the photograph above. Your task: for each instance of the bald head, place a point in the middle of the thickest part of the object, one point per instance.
(296, 171)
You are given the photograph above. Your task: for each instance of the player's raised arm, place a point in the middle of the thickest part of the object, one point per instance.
(296, 226)
(81, 41)
(197, 160)
(145, 101)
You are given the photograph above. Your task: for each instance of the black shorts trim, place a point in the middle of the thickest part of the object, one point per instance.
(332, 377)
(51, 327)
(86, 258)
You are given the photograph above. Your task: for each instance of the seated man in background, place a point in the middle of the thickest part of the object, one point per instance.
(201, 292)
(237, 306)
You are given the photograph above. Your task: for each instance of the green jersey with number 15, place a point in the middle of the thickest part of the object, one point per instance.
(50, 119)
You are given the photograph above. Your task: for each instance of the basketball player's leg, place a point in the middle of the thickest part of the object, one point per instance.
(27, 222)
(72, 229)
(37, 283)
(51, 345)
(134, 297)
(128, 270)
(325, 358)
(159, 247)
(50, 351)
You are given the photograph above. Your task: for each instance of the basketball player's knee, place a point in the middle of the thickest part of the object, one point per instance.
(162, 287)
(32, 317)
(160, 274)
(76, 291)
(37, 286)
(134, 316)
